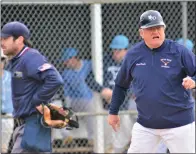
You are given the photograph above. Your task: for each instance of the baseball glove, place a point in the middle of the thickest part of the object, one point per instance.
(58, 117)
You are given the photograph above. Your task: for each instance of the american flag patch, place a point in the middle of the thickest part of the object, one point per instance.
(44, 67)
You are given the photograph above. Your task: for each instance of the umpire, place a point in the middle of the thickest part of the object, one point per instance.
(158, 69)
(34, 81)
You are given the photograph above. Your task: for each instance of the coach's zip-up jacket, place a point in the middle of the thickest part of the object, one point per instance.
(34, 81)
(156, 76)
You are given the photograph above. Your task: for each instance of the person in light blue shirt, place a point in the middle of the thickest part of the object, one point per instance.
(112, 62)
(7, 107)
(187, 43)
(79, 84)
(78, 77)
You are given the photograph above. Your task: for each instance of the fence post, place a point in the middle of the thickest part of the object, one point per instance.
(96, 42)
(184, 21)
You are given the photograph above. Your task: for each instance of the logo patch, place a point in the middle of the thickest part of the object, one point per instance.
(165, 62)
(140, 64)
(152, 17)
(18, 74)
(44, 67)
(113, 71)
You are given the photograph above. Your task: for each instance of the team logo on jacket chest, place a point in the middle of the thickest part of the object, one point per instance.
(165, 62)
(140, 64)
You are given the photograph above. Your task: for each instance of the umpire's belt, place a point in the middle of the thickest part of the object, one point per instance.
(20, 121)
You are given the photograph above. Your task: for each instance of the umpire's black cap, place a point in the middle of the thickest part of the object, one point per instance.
(15, 29)
(151, 18)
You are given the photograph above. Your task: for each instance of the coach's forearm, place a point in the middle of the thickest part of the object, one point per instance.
(118, 98)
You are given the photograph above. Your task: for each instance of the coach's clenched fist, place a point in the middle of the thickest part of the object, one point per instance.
(188, 83)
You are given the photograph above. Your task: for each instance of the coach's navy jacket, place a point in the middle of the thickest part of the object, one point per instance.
(156, 75)
(34, 81)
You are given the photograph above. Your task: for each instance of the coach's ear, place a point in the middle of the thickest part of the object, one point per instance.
(141, 33)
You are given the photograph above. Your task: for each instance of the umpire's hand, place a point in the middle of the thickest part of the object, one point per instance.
(114, 121)
(188, 83)
(48, 119)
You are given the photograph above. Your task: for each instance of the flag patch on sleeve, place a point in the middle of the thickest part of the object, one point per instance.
(44, 67)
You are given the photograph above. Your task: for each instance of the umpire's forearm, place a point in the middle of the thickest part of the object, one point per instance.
(47, 90)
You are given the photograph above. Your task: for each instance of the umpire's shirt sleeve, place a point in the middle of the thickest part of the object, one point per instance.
(122, 84)
(46, 74)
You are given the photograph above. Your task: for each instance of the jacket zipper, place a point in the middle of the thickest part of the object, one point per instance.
(153, 53)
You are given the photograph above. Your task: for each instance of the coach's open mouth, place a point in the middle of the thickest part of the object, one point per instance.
(155, 37)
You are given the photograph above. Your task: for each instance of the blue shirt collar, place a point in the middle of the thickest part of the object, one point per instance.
(24, 49)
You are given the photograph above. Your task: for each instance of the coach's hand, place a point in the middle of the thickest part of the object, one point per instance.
(188, 83)
(114, 121)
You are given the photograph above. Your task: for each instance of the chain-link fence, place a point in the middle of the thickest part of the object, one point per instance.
(57, 29)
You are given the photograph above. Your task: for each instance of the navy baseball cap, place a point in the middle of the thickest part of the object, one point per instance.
(15, 28)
